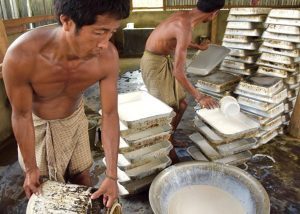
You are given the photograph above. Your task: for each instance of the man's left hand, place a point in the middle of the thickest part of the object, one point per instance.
(109, 190)
(204, 45)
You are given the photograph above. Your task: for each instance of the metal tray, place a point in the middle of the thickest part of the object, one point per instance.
(260, 105)
(291, 80)
(247, 72)
(148, 133)
(153, 167)
(267, 137)
(196, 154)
(285, 13)
(204, 146)
(243, 53)
(145, 142)
(254, 32)
(271, 113)
(283, 37)
(237, 65)
(228, 127)
(277, 98)
(218, 82)
(215, 95)
(290, 53)
(261, 85)
(291, 67)
(207, 132)
(292, 30)
(244, 25)
(272, 43)
(150, 152)
(241, 39)
(246, 18)
(273, 124)
(277, 58)
(259, 119)
(249, 11)
(143, 126)
(272, 72)
(204, 62)
(134, 108)
(135, 186)
(236, 159)
(245, 46)
(243, 59)
(279, 21)
(236, 146)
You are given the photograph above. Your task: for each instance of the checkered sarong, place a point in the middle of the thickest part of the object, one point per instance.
(62, 146)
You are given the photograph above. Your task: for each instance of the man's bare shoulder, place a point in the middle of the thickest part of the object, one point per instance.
(109, 58)
(29, 44)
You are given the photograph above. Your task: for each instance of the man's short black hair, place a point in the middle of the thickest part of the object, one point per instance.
(208, 6)
(84, 12)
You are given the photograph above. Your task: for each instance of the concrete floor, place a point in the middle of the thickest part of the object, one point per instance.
(281, 178)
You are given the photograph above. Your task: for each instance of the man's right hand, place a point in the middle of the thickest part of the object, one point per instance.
(32, 182)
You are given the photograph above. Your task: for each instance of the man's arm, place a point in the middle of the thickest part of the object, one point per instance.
(183, 35)
(16, 72)
(110, 129)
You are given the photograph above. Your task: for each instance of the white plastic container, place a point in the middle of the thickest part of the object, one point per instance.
(230, 106)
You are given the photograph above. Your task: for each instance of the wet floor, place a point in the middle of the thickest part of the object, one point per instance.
(276, 165)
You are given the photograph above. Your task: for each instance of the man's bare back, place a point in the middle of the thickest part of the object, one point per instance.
(162, 40)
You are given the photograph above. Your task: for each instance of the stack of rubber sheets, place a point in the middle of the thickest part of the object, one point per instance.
(280, 53)
(223, 139)
(144, 143)
(218, 84)
(263, 99)
(243, 36)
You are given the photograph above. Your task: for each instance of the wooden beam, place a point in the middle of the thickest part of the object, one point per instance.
(3, 41)
(214, 31)
(26, 20)
(16, 30)
(294, 127)
(229, 6)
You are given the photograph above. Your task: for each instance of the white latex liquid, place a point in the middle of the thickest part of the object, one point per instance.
(204, 199)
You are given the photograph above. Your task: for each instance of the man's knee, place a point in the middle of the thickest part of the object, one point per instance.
(183, 104)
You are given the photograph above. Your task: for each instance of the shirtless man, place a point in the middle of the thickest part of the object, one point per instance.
(46, 72)
(167, 80)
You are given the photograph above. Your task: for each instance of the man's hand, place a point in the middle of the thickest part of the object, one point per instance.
(32, 182)
(109, 190)
(208, 102)
(204, 45)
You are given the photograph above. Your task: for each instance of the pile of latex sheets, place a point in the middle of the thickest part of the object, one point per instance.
(144, 144)
(218, 84)
(263, 99)
(223, 139)
(243, 36)
(280, 53)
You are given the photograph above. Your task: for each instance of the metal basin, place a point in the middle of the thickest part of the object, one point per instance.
(241, 185)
